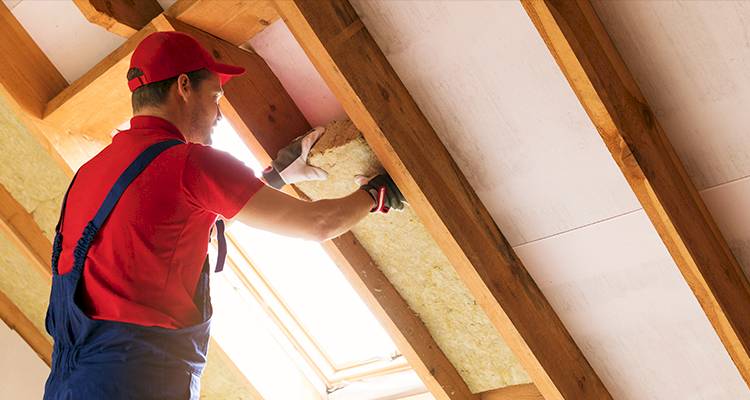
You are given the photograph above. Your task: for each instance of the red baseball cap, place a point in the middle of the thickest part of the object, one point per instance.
(164, 55)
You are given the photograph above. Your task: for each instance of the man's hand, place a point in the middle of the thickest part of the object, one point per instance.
(384, 193)
(290, 165)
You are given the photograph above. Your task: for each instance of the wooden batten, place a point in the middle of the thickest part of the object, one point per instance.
(121, 17)
(609, 94)
(356, 70)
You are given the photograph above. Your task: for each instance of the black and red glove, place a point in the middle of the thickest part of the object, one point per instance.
(385, 193)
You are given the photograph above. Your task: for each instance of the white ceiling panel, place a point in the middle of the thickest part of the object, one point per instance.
(490, 88)
(622, 298)
(728, 204)
(73, 44)
(691, 60)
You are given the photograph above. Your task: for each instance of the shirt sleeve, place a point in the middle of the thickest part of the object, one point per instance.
(215, 181)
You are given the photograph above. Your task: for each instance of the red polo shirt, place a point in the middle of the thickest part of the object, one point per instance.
(145, 262)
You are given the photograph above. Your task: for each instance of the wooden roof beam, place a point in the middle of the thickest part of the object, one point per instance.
(266, 118)
(121, 17)
(356, 70)
(609, 94)
(19, 226)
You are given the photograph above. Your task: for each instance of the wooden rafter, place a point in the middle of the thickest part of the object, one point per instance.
(121, 17)
(267, 119)
(19, 226)
(609, 94)
(358, 73)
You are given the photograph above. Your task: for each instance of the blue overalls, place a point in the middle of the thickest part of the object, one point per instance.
(109, 360)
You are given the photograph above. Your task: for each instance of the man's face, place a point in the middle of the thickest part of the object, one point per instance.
(203, 107)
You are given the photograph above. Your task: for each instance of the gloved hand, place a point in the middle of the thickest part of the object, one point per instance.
(290, 165)
(385, 193)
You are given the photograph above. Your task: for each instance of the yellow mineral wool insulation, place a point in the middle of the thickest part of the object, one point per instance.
(28, 172)
(22, 283)
(415, 265)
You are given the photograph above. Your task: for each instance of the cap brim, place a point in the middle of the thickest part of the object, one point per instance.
(226, 71)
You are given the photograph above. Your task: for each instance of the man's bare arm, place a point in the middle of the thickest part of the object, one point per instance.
(277, 212)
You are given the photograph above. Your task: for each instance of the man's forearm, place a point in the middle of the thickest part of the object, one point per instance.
(340, 215)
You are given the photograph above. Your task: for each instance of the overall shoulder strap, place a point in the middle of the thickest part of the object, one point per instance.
(126, 178)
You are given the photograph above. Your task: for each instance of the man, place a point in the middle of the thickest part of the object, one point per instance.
(130, 308)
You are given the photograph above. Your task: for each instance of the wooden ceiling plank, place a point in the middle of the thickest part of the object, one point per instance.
(233, 21)
(266, 117)
(608, 92)
(25, 72)
(121, 17)
(355, 68)
(17, 321)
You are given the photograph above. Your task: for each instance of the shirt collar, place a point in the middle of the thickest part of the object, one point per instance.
(155, 123)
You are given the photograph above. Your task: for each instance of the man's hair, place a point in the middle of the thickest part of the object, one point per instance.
(155, 93)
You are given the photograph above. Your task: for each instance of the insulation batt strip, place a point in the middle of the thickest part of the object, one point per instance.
(409, 257)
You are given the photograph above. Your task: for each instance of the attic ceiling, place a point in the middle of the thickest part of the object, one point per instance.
(489, 87)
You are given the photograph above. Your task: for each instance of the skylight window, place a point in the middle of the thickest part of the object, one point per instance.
(312, 311)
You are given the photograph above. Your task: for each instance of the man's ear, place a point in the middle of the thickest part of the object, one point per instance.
(183, 87)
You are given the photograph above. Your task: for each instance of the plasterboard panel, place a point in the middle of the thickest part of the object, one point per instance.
(305, 86)
(728, 204)
(24, 373)
(72, 43)
(691, 59)
(622, 298)
(11, 3)
(488, 85)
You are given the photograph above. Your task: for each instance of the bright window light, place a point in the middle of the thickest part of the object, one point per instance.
(306, 295)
